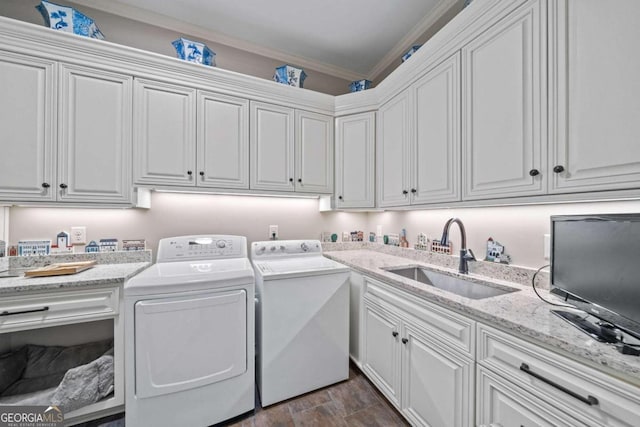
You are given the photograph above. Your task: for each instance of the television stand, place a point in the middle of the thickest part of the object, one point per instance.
(604, 332)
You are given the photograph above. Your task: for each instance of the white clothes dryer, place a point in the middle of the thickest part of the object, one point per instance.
(302, 319)
(189, 334)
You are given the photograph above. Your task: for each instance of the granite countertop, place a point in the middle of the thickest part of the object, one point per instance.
(111, 268)
(522, 313)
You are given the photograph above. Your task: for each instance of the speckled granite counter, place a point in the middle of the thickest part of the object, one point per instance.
(111, 268)
(521, 313)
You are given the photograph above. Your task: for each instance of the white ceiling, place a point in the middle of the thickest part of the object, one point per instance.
(351, 39)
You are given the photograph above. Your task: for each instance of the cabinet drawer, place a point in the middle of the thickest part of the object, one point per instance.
(451, 328)
(38, 310)
(587, 394)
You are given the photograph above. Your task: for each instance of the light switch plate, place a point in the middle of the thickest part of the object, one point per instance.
(78, 235)
(273, 232)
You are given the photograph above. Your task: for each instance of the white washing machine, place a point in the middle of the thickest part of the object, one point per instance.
(189, 334)
(302, 319)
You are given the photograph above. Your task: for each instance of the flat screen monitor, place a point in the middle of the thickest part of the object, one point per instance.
(595, 265)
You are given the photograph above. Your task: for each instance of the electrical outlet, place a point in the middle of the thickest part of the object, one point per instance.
(547, 246)
(78, 235)
(273, 232)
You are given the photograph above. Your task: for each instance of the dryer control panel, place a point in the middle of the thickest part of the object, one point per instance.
(200, 247)
(285, 248)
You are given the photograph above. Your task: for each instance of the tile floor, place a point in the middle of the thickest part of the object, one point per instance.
(354, 402)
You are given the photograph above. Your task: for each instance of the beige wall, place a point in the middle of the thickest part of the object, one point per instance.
(173, 214)
(519, 228)
(155, 39)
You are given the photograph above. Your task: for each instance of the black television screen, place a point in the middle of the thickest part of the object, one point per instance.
(595, 259)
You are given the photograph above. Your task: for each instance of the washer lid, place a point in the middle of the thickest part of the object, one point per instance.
(295, 267)
(188, 276)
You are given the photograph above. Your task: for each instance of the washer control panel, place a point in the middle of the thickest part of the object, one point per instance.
(284, 248)
(201, 247)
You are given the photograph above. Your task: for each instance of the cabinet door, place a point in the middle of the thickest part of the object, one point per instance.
(393, 151)
(594, 92)
(223, 141)
(438, 385)
(272, 144)
(27, 124)
(500, 402)
(437, 147)
(164, 134)
(504, 98)
(381, 350)
(94, 146)
(355, 161)
(314, 153)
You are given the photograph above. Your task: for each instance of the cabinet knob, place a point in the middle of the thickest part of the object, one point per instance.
(394, 333)
(202, 174)
(290, 179)
(404, 340)
(558, 169)
(414, 191)
(45, 185)
(534, 172)
(189, 173)
(63, 186)
(300, 180)
(340, 197)
(405, 192)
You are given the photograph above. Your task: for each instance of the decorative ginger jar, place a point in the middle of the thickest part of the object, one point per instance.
(288, 75)
(358, 85)
(67, 19)
(410, 52)
(191, 51)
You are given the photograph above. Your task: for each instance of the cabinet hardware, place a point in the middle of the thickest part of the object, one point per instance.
(7, 313)
(404, 340)
(202, 174)
(63, 186)
(589, 400)
(45, 185)
(394, 333)
(189, 173)
(405, 192)
(290, 179)
(340, 197)
(414, 191)
(534, 172)
(558, 169)
(300, 180)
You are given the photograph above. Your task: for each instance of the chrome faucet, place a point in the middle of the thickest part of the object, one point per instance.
(465, 253)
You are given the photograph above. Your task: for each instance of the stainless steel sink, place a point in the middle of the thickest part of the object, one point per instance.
(456, 285)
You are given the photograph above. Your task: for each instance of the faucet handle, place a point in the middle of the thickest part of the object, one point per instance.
(470, 256)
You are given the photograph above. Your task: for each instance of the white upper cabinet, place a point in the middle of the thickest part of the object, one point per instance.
(27, 124)
(436, 156)
(94, 144)
(594, 92)
(504, 72)
(393, 151)
(164, 133)
(355, 161)
(314, 152)
(290, 150)
(272, 145)
(223, 141)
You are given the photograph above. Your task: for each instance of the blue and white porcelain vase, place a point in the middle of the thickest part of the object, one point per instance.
(410, 52)
(69, 20)
(194, 52)
(288, 75)
(358, 85)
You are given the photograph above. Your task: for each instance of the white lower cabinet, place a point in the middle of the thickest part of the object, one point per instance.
(520, 383)
(408, 352)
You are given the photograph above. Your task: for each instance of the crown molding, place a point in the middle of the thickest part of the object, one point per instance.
(410, 38)
(163, 21)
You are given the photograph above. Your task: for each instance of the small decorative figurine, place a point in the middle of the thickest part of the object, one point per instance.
(394, 239)
(108, 245)
(496, 252)
(289, 75)
(334, 237)
(358, 85)
(437, 248)
(34, 247)
(69, 20)
(372, 237)
(422, 242)
(92, 247)
(134, 245)
(3, 248)
(62, 239)
(410, 52)
(192, 51)
(404, 243)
